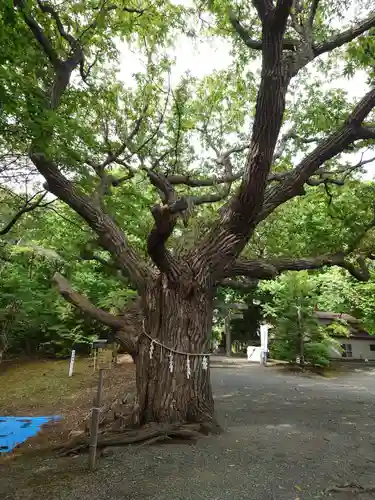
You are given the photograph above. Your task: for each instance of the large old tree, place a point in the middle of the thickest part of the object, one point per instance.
(88, 136)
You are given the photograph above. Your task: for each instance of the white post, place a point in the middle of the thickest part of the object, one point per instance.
(264, 343)
(71, 365)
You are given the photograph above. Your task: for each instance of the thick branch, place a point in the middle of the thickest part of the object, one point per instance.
(165, 217)
(63, 68)
(270, 269)
(38, 33)
(238, 220)
(367, 132)
(246, 285)
(265, 8)
(46, 7)
(346, 36)
(111, 238)
(312, 13)
(328, 148)
(188, 180)
(165, 222)
(126, 328)
(83, 303)
(250, 42)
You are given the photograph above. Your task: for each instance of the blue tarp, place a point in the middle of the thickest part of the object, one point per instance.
(16, 430)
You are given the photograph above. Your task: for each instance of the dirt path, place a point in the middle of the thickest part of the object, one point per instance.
(287, 438)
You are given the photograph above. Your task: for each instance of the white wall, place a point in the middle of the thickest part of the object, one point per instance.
(360, 348)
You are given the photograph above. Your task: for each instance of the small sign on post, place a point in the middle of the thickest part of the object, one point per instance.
(102, 352)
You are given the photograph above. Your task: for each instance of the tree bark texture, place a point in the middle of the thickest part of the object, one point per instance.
(180, 322)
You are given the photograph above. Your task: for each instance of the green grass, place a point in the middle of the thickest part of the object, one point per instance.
(37, 386)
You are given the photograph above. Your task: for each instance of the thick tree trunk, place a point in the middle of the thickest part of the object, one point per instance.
(181, 321)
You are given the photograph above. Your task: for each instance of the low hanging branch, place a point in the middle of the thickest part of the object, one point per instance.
(126, 328)
(83, 303)
(271, 268)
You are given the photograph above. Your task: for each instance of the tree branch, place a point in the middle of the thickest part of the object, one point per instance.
(313, 10)
(63, 68)
(111, 238)
(165, 217)
(243, 285)
(191, 181)
(250, 42)
(367, 132)
(270, 269)
(46, 7)
(265, 8)
(346, 36)
(126, 328)
(28, 206)
(336, 143)
(38, 33)
(83, 303)
(237, 221)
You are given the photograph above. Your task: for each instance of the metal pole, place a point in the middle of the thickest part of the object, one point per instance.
(95, 422)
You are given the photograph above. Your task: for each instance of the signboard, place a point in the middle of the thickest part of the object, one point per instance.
(103, 354)
(236, 315)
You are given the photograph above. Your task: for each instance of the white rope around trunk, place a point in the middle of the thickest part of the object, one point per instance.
(171, 351)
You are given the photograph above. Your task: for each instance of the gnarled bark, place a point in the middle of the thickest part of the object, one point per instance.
(180, 320)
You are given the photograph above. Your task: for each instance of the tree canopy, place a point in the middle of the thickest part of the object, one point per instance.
(177, 185)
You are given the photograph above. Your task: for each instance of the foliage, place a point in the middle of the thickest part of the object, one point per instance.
(42, 322)
(245, 328)
(338, 328)
(339, 293)
(296, 332)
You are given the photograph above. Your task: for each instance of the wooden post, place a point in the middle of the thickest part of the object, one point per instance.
(95, 422)
(95, 355)
(228, 336)
(71, 364)
(302, 338)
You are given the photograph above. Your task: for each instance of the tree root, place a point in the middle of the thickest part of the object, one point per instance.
(143, 436)
(351, 488)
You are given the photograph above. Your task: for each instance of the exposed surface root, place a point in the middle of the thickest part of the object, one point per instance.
(351, 488)
(144, 436)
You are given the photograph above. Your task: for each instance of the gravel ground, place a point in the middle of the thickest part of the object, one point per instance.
(287, 437)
